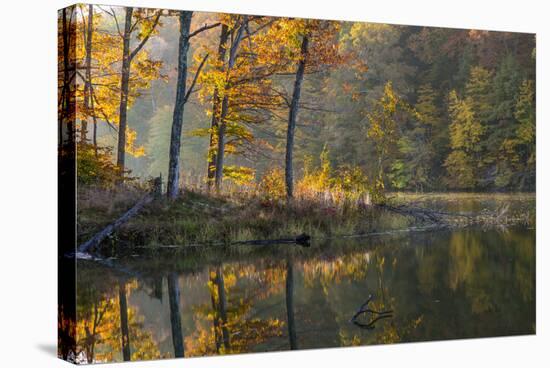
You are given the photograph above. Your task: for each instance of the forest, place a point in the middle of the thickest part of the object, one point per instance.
(234, 109)
(251, 183)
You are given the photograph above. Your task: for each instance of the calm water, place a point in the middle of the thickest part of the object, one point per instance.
(438, 285)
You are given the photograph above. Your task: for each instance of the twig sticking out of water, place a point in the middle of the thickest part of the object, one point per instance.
(364, 309)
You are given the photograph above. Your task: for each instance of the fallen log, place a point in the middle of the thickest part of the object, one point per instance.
(109, 229)
(302, 239)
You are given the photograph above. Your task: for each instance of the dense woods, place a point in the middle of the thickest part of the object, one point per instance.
(215, 100)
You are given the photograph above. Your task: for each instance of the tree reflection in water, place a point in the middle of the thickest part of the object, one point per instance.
(439, 285)
(175, 317)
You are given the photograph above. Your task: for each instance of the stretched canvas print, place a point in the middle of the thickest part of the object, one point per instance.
(234, 183)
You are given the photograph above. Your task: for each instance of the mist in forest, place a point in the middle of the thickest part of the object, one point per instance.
(419, 108)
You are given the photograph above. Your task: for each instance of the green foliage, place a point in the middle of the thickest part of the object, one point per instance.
(426, 105)
(461, 173)
(506, 86)
(517, 153)
(478, 89)
(525, 114)
(96, 169)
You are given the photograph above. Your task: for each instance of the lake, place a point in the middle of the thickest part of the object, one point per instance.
(434, 285)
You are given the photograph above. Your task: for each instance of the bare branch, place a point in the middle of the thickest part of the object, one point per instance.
(113, 14)
(146, 38)
(190, 90)
(203, 28)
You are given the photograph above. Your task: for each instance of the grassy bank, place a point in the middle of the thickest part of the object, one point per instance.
(196, 217)
(200, 218)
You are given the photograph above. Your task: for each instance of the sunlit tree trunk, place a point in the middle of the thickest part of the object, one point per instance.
(220, 154)
(175, 317)
(225, 105)
(124, 88)
(124, 329)
(290, 305)
(216, 102)
(177, 121)
(289, 179)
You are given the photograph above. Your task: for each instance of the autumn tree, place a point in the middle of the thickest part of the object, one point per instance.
(216, 104)
(182, 96)
(318, 47)
(238, 31)
(100, 58)
(139, 24)
(238, 84)
(465, 135)
(383, 131)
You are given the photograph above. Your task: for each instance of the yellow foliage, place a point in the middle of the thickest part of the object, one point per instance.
(272, 184)
(131, 148)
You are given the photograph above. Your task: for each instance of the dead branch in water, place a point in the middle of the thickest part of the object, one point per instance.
(457, 219)
(364, 309)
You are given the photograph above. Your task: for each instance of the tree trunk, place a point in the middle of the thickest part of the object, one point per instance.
(221, 145)
(211, 170)
(223, 308)
(225, 105)
(94, 135)
(177, 121)
(124, 329)
(289, 180)
(124, 89)
(66, 190)
(175, 317)
(290, 305)
(215, 312)
(67, 106)
(88, 71)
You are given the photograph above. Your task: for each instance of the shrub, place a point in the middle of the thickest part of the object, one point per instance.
(272, 184)
(96, 168)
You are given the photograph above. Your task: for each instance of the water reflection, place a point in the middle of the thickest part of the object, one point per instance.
(289, 293)
(124, 329)
(175, 317)
(441, 285)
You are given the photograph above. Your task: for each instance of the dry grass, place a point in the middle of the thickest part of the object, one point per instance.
(97, 207)
(238, 215)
